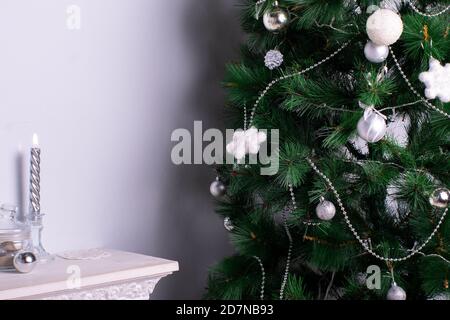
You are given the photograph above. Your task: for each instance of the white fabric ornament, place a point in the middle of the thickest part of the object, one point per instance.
(372, 126)
(437, 81)
(384, 27)
(246, 142)
(376, 53)
(273, 59)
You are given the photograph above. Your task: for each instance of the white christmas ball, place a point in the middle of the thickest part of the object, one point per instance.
(396, 293)
(384, 27)
(372, 127)
(376, 53)
(326, 210)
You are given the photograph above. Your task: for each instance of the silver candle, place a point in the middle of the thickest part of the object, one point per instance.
(35, 215)
(35, 176)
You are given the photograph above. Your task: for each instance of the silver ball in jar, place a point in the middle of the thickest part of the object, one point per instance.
(25, 262)
(396, 293)
(218, 189)
(276, 19)
(440, 198)
(376, 53)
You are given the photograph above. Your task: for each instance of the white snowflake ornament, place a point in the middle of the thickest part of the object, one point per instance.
(437, 81)
(246, 142)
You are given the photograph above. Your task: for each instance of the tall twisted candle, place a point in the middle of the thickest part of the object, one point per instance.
(35, 176)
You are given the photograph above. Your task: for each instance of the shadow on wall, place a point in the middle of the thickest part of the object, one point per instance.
(194, 233)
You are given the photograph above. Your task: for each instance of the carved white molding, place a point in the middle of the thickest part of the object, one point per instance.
(93, 274)
(139, 290)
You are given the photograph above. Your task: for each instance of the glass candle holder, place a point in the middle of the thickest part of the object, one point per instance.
(36, 226)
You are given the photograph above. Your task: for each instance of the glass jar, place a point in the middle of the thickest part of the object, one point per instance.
(15, 236)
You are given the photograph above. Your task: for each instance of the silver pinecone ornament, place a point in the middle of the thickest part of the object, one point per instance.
(273, 59)
(228, 224)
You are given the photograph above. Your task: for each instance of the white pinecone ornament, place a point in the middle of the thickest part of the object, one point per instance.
(273, 59)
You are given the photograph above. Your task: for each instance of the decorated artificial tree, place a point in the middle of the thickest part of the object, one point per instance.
(359, 92)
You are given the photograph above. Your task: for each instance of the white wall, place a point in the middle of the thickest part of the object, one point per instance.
(104, 101)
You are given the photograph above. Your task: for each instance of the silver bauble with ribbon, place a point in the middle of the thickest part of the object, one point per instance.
(372, 126)
(396, 293)
(440, 198)
(25, 262)
(276, 19)
(228, 224)
(325, 210)
(218, 189)
(376, 53)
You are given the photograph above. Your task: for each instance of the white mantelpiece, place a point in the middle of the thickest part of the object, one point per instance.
(115, 276)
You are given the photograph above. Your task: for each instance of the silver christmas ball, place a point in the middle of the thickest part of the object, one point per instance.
(325, 210)
(25, 261)
(372, 127)
(218, 189)
(228, 224)
(440, 198)
(396, 293)
(276, 19)
(376, 53)
(440, 296)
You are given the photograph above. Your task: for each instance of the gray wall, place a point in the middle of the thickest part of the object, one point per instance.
(104, 101)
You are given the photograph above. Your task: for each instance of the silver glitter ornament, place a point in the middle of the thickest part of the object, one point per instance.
(325, 210)
(440, 198)
(376, 53)
(372, 126)
(276, 19)
(396, 293)
(218, 189)
(25, 262)
(273, 59)
(228, 224)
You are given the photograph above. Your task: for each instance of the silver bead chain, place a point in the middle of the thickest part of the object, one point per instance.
(295, 74)
(414, 251)
(245, 117)
(425, 101)
(430, 15)
(288, 259)
(263, 276)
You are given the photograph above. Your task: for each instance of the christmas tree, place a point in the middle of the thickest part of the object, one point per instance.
(359, 92)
